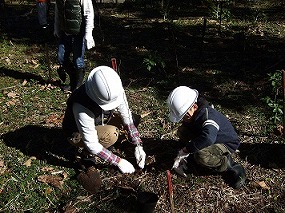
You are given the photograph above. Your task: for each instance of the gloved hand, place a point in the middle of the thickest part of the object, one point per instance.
(125, 166)
(180, 160)
(89, 40)
(140, 156)
(181, 168)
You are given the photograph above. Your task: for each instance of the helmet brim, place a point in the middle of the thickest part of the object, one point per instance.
(114, 104)
(175, 118)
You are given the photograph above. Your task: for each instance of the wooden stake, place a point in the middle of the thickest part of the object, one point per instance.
(170, 189)
(283, 84)
(114, 64)
(48, 62)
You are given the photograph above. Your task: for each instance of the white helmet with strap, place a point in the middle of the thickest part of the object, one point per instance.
(179, 101)
(104, 86)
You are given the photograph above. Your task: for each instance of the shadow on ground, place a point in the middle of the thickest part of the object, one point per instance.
(26, 76)
(263, 154)
(44, 143)
(49, 144)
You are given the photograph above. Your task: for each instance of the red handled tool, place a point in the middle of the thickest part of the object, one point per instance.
(114, 64)
(170, 190)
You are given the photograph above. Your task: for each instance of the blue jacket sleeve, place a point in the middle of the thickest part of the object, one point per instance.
(206, 138)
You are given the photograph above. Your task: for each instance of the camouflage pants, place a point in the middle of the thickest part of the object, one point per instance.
(213, 157)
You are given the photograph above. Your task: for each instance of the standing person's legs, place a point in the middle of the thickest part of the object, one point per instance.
(78, 46)
(64, 51)
(42, 8)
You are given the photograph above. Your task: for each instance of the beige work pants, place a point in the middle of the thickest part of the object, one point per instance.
(107, 136)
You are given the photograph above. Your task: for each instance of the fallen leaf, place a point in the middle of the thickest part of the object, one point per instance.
(263, 185)
(34, 66)
(24, 82)
(12, 95)
(68, 208)
(55, 181)
(48, 191)
(47, 169)
(54, 119)
(8, 61)
(28, 163)
(3, 168)
(33, 61)
(145, 114)
(11, 103)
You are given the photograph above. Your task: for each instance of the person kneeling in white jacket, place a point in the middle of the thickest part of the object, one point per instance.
(85, 122)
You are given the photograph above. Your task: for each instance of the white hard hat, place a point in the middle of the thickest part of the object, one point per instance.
(104, 86)
(179, 101)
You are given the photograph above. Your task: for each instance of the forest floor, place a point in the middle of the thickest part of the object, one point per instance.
(227, 62)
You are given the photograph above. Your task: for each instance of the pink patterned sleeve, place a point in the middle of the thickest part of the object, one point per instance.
(108, 156)
(133, 134)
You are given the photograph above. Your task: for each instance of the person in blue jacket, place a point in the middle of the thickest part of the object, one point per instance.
(209, 136)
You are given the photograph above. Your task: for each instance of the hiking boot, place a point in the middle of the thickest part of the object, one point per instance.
(235, 174)
(61, 73)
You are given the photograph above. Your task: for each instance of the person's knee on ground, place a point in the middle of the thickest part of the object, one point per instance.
(117, 121)
(217, 158)
(213, 157)
(107, 135)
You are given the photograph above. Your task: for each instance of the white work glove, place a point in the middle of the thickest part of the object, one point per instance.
(181, 168)
(180, 163)
(125, 166)
(89, 40)
(140, 156)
